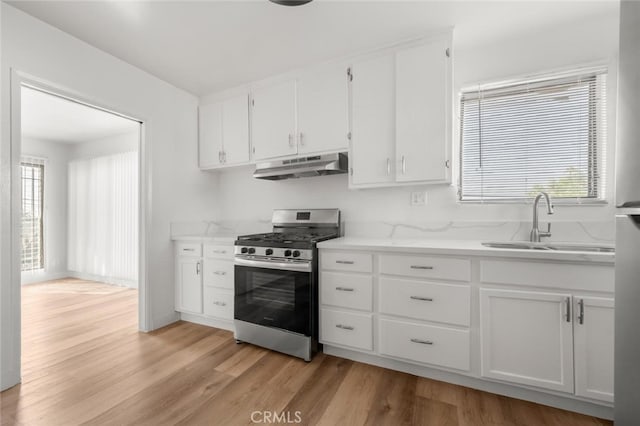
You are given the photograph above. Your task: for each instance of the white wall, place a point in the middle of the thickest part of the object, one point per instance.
(177, 189)
(243, 198)
(56, 157)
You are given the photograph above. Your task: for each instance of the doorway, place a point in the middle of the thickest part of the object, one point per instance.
(38, 254)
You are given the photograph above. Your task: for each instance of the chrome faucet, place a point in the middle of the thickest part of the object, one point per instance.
(535, 231)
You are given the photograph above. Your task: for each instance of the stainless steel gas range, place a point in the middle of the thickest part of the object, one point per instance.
(276, 281)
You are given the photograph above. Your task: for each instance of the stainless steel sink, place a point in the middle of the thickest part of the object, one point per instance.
(526, 245)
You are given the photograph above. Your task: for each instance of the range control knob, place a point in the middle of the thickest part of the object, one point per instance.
(268, 252)
(251, 250)
(296, 253)
(287, 252)
(243, 250)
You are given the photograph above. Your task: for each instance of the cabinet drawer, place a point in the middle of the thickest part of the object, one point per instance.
(218, 273)
(189, 249)
(345, 261)
(426, 301)
(427, 344)
(426, 267)
(346, 290)
(218, 250)
(218, 303)
(346, 328)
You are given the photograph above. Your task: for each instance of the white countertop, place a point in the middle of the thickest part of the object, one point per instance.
(459, 247)
(212, 238)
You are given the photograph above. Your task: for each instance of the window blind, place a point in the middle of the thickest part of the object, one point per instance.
(32, 253)
(524, 137)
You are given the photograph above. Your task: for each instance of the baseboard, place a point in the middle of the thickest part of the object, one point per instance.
(27, 278)
(517, 392)
(208, 321)
(108, 280)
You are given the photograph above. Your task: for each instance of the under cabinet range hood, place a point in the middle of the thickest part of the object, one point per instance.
(317, 165)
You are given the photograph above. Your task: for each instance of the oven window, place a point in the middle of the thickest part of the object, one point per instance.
(273, 297)
(275, 290)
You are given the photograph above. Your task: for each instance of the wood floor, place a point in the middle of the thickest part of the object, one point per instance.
(84, 362)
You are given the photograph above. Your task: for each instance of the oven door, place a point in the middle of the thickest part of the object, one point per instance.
(267, 295)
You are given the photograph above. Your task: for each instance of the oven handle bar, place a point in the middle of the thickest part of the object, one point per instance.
(286, 266)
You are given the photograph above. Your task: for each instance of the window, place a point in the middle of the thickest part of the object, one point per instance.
(32, 214)
(546, 134)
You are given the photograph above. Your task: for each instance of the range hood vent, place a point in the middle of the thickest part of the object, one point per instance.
(317, 165)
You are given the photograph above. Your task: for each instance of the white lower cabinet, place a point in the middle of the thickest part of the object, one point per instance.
(204, 281)
(189, 284)
(346, 329)
(593, 347)
(441, 346)
(526, 338)
(537, 325)
(557, 341)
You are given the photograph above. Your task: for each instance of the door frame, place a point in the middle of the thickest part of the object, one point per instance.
(19, 79)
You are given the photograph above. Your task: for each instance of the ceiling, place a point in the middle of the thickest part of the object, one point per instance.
(51, 118)
(205, 46)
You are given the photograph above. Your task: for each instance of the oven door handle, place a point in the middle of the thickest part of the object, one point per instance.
(283, 266)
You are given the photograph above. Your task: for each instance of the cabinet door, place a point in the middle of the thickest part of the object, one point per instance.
(323, 111)
(274, 121)
(210, 135)
(189, 285)
(526, 337)
(235, 130)
(373, 121)
(422, 112)
(593, 344)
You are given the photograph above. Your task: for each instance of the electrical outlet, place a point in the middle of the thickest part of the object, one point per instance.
(418, 198)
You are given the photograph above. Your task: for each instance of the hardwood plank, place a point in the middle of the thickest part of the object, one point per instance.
(85, 362)
(316, 394)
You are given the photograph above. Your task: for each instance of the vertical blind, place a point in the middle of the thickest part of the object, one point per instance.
(32, 244)
(103, 216)
(546, 134)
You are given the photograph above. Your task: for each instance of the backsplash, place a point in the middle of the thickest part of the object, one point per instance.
(587, 231)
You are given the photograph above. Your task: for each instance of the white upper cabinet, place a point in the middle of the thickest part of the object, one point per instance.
(422, 112)
(274, 121)
(224, 132)
(323, 110)
(210, 137)
(373, 121)
(401, 116)
(235, 130)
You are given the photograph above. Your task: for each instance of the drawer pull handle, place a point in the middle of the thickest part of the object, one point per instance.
(220, 273)
(344, 327)
(345, 262)
(422, 342)
(421, 267)
(220, 303)
(344, 289)
(426, 299)
(219, 251)
(188, 249)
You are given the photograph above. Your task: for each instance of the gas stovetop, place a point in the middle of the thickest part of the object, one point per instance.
(308, 237)
(294, 233)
